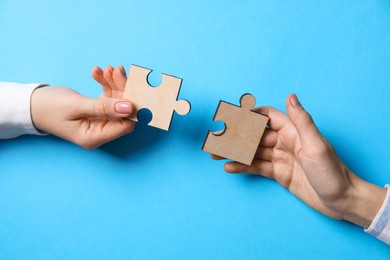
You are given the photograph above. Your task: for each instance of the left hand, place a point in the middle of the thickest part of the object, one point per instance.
(295, 154)
(85, 121)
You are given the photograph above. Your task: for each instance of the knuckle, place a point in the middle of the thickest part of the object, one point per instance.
(308, 119)
(321, 149)
(100, 109)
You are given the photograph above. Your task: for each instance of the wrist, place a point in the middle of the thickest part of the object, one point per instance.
(366, 201)
(36, 113)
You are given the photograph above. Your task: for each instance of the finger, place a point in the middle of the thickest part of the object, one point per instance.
(105, 108)
(269, 138)
(277, 119)
(108, 76)
(119, 78)
(116, 128)
(97, 74)
(264, 153)
(303, 122)
(258, 167)
(104, 132)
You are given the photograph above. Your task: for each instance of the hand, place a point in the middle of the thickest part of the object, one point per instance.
(85, 121)
(295, 154)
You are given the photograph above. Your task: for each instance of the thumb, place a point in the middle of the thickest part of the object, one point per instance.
(303, 122)
(107, 107)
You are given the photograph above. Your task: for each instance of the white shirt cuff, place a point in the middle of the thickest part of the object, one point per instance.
(380, 226)
(15, 109)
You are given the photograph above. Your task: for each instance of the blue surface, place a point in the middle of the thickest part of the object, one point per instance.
(155, 194)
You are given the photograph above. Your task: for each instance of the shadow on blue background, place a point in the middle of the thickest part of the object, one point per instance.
(144, 137)
(154, 194)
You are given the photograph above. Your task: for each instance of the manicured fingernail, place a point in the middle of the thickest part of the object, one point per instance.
(123, 107)
(294, 101)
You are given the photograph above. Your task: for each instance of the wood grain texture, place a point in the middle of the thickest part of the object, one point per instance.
(161, 100)
(243, 131)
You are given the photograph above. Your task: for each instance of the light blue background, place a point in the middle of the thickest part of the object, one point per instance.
(155, 194)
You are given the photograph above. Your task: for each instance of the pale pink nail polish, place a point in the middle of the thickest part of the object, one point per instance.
(123, 107)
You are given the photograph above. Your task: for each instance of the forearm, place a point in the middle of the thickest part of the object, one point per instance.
(366, 202)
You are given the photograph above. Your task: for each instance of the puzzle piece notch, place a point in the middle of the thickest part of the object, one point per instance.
(218, 124)
(182, 107)
(161, 101)
(247, 101)
(243, 131)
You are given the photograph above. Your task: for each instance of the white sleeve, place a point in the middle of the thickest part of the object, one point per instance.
(380, 226)
(15, 112)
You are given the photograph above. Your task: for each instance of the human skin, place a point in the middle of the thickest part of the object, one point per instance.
(295, 154)
(292, 150)
(88, 122)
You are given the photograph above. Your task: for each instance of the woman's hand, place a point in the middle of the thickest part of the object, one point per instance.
(295, 154)
(85, 121)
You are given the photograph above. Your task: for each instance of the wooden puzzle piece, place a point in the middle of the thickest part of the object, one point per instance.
(243, 130)
(161, 100)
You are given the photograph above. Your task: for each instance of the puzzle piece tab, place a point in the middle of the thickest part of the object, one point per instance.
(161, 100)
(243, 130)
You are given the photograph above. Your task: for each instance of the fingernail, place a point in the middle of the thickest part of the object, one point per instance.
(109, 69)
(294, 101)
(123, 107)
(98, 69)
(122, 69)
